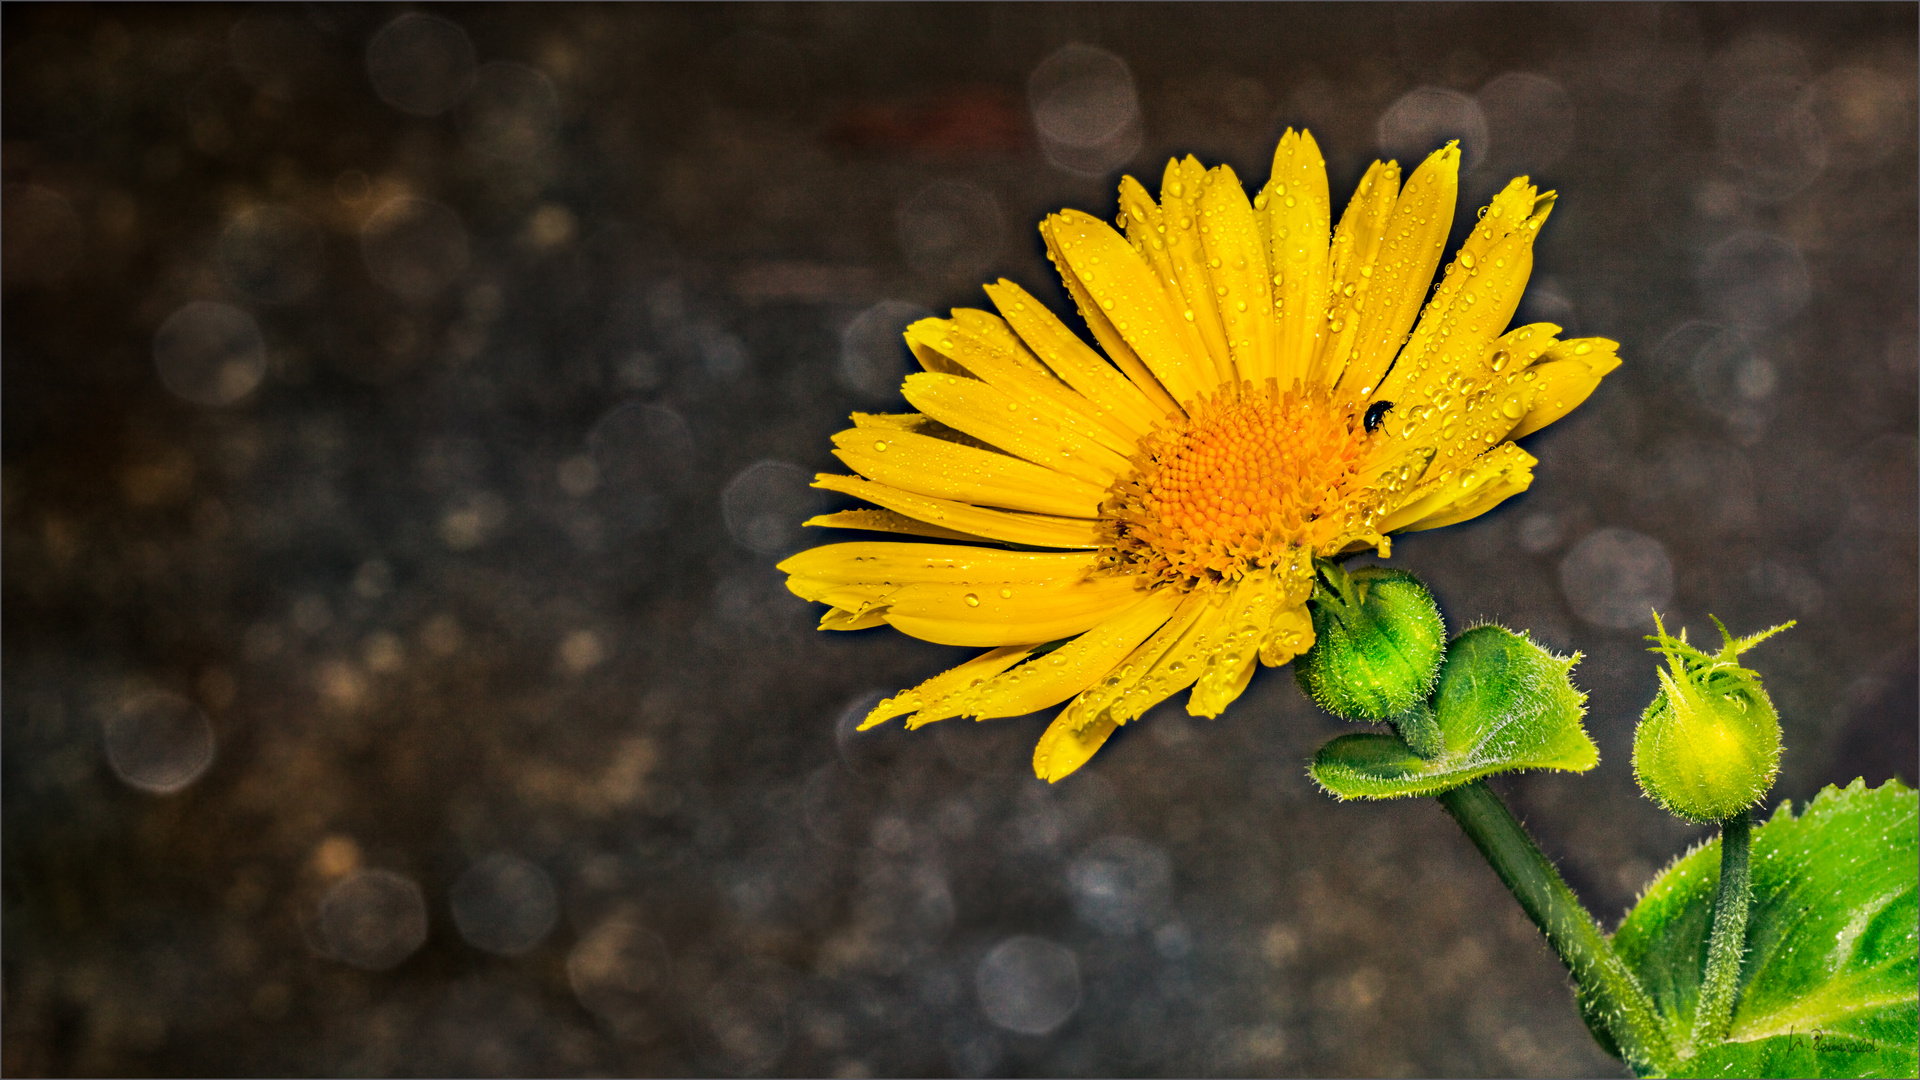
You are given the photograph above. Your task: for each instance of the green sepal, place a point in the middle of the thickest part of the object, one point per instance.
(1828, 985)
(1708, 747)
(1378, 642)
(1503, 704)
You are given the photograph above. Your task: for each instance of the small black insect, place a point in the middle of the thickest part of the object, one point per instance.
(1376, 412)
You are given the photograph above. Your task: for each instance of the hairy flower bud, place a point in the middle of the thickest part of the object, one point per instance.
(1708, 746)
(1378, 643)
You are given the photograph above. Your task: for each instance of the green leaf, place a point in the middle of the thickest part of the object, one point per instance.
(1828, 986)
(1503, 704)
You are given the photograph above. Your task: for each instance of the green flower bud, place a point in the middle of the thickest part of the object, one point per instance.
(1378, 643)
(1709, 745)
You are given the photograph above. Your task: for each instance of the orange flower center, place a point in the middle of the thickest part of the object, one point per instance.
(1246, 479)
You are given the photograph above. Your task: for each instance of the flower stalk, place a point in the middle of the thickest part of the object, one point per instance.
(1604, 979)
(1713, 1015)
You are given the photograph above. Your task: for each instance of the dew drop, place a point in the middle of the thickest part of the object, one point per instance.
(972, 600)
(1006, 594)
(880, 446)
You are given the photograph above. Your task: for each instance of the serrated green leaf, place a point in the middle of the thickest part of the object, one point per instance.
(1503, 704)
(1828, 986)
(1798, 1055)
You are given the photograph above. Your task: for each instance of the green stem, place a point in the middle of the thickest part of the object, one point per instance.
(1603, 977)
(1713, 1015)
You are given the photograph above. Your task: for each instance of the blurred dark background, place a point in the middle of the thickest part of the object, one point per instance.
(404, 410)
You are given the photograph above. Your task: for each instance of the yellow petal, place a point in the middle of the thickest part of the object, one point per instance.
(984, 666)
(1110, 339)
(842, 619)
(944, 470)
(1229, 664)
(958, 521)
(1390, 290)
(996, 417)
(1290, 635)
(1146, 228)
(1064, 748)
(1504, 468)
(895, 563)
(1565, 377)
(893, 522)
(919, 424)
(1237, 270)
(1102, 384)
(1181, 259)
(1484, 497)
(1459, 415)
(1246, 623)
(837, 593)
(1081, 412)
(998, 613)
(1297, 216)
(1476, 298)
(934, 360)
(1170, 661)
(1132, 298)
(986, 349)
(1066, 671)
(1114, 695)
(1356, 240)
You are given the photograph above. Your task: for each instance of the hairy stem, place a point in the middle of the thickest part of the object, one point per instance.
(1603, 977)
(1713, 1015)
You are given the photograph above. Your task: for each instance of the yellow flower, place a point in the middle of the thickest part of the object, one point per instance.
(1156, 512)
